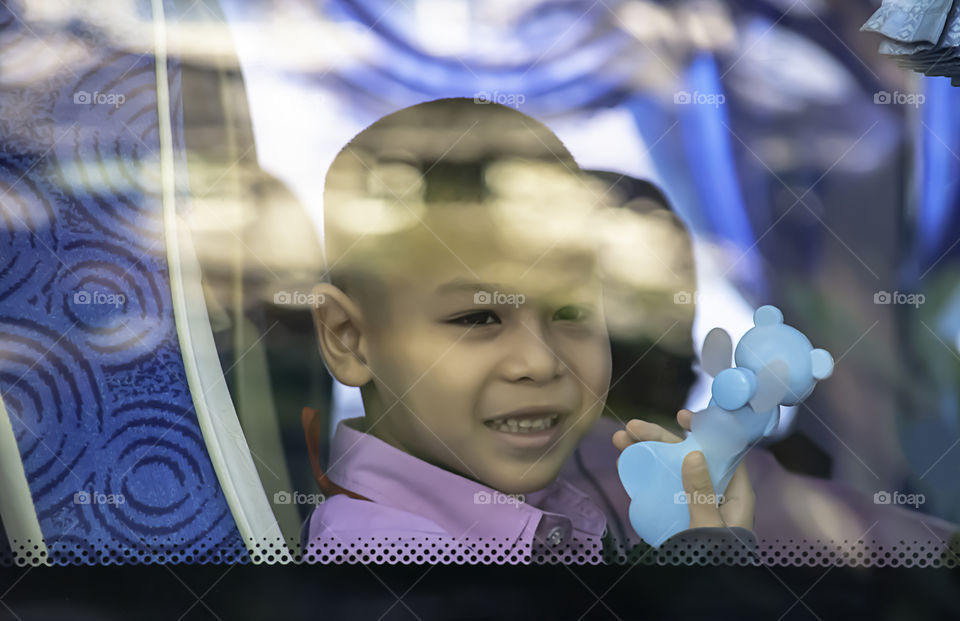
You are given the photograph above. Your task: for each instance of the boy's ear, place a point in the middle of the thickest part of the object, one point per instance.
(339, 324)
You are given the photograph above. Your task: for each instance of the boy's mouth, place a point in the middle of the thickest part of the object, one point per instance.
(525, 421)
(523, 424)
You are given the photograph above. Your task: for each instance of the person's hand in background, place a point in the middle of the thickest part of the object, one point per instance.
(738, 500)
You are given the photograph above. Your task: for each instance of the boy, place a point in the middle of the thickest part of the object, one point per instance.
(466, 301)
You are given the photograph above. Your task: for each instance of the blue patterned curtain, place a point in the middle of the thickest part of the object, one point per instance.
(91, 371)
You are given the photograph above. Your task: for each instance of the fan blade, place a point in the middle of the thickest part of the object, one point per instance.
(717, 352)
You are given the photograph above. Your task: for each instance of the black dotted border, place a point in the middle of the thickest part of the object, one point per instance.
(436, 550)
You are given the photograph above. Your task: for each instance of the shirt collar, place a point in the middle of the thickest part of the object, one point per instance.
(362, 463)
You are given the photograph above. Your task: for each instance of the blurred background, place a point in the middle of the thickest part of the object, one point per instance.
(811, 173)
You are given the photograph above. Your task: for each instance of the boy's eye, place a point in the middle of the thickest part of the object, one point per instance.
(571, 313)
(478, 318)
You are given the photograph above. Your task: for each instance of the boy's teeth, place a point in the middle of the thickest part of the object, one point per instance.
(525, 425)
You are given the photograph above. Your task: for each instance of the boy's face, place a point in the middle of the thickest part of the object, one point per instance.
(490, 363)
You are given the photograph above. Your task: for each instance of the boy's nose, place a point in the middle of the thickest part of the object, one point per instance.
(530, 355)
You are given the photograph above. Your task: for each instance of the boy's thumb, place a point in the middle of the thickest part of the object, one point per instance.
(701, 499)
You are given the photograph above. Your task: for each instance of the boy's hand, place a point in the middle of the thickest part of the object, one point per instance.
(738, 501)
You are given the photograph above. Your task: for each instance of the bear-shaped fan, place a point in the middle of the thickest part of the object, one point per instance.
(775, 365)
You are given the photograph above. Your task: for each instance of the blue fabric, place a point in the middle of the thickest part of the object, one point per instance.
(707, 141)
(910, 21)
(938, 218)
(576, 73)
(90, 369)
(922, 35)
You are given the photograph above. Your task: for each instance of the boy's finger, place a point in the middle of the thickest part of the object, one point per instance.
(684, 417)
(740, 482)
(621, 440)
(739, 500)
(701, 500)
(644, 431)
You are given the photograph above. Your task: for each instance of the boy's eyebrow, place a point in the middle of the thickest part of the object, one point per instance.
(458, 285)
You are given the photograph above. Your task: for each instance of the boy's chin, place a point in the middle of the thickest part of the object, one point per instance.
(523, 481)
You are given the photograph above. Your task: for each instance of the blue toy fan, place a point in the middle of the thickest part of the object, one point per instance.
(775, 365)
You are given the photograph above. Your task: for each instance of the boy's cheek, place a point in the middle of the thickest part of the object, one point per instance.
(418, 366)
(594, 369)
(584, 425)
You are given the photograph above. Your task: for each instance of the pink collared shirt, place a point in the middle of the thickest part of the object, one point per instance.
(412, 500)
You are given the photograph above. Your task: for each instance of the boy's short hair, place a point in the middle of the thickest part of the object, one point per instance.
(427, 157)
